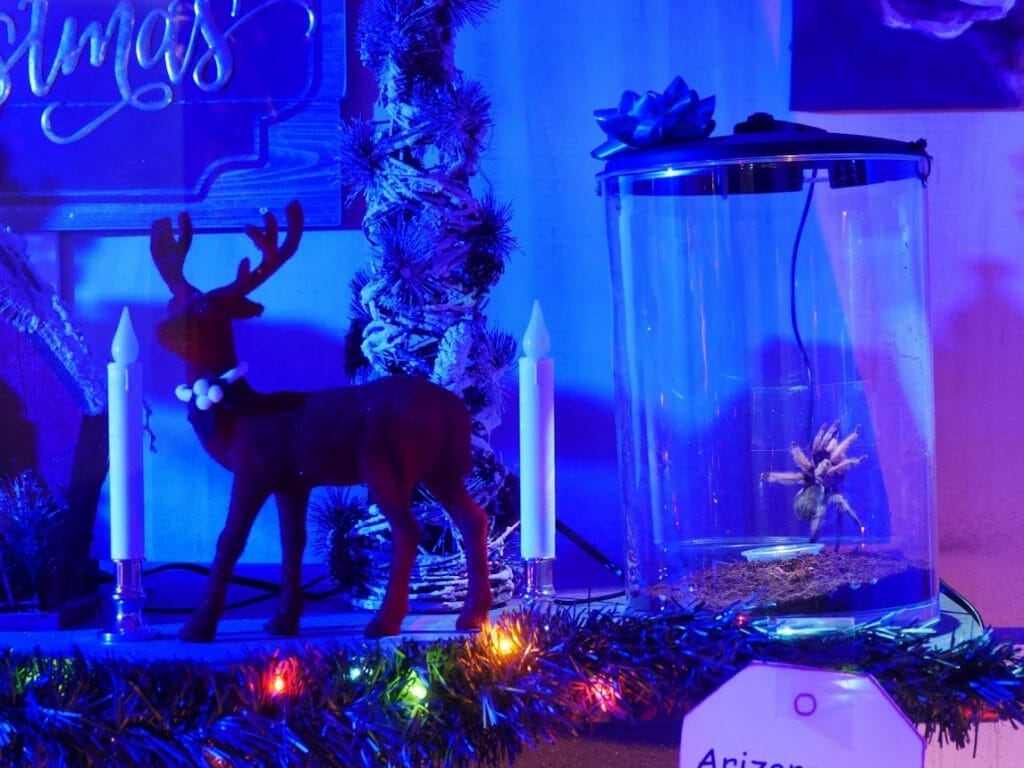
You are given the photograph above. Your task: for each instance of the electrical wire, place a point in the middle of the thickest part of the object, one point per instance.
(590, 598)
(962, 602)
(270, 589)
(589, 549)
(793, 308)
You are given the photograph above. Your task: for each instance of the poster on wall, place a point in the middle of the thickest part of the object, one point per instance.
(907, 54)
(114, 112)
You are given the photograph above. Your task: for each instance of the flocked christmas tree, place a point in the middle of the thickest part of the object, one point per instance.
(437, 249)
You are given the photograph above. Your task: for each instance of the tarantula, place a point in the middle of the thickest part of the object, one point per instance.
(820, 476)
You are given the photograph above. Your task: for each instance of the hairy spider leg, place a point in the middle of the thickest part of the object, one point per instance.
(825, 435)
(838, 452)
(800, 458)
(839, 500)
(845, 464)
(784, 478)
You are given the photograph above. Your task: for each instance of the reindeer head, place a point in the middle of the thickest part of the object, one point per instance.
(198, 326)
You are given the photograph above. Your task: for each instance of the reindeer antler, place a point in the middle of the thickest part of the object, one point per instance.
(169, 253)
(247, 279)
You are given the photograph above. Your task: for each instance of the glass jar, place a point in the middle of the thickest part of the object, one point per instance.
(773, 376)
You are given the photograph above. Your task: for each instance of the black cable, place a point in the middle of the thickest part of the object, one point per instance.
(589, 548)
(202, 570)
(590, 598)
(792, 307)
(271, 589)
(962, 602)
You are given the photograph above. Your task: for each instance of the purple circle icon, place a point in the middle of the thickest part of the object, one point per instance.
(805, 704)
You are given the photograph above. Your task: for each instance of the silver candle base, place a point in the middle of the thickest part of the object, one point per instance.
(128, 598)
(539, 591)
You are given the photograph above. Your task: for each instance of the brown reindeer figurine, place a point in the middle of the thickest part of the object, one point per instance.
(390, 434)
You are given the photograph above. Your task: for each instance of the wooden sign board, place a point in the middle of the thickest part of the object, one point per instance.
(116, 112)
(780, 716)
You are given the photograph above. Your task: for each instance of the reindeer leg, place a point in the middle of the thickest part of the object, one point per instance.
(291, 512)
(471, 520)
(246, 500)
(393, 498)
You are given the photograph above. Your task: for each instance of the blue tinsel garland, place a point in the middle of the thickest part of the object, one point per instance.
(475, 700)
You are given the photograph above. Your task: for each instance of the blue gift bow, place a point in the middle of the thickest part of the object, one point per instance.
(640, 122)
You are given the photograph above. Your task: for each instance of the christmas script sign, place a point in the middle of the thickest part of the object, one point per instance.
(115, 112)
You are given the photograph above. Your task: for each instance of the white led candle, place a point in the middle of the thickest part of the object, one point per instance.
(537, 442)
(124, 413)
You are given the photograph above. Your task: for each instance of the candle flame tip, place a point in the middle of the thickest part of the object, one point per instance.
(536, 341)
(125, 347)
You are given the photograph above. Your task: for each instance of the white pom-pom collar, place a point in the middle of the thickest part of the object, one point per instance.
(208, 392)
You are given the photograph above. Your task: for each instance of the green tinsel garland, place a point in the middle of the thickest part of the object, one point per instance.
(472, 700)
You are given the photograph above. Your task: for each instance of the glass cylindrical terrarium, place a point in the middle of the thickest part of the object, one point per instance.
(773, 376)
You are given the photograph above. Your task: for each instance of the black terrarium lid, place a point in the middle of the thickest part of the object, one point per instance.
(659, 136)
(761, 136)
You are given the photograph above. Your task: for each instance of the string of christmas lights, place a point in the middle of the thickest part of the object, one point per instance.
(482, 699)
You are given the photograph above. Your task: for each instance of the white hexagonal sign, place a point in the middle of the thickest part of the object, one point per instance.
(783, 716)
